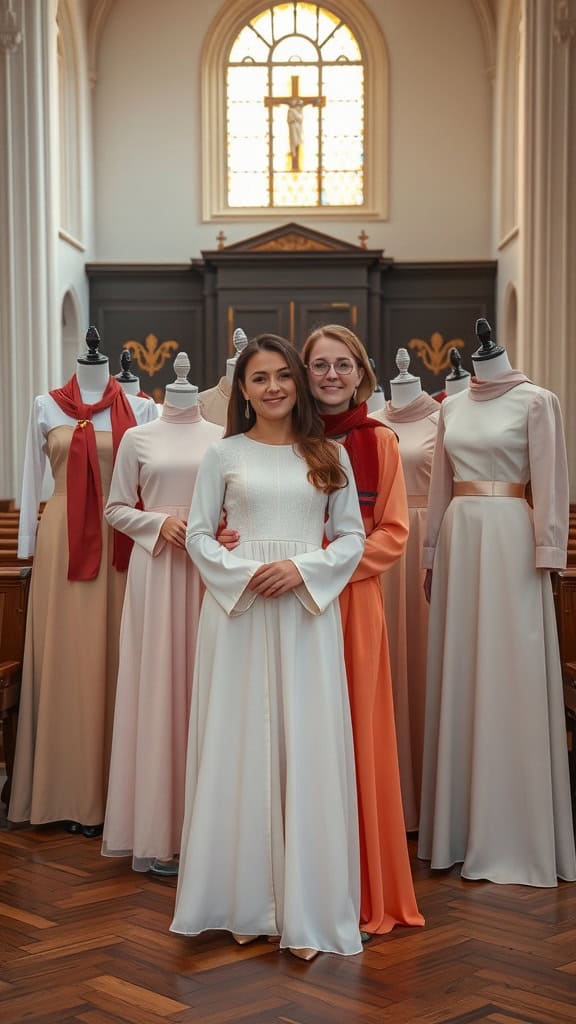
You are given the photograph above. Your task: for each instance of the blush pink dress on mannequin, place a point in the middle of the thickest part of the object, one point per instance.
(406, 608)
(145, 805)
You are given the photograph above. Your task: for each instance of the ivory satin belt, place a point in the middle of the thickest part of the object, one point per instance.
(487, 489)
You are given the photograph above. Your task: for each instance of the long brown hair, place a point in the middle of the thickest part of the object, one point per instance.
(320, 454)
(336, 332)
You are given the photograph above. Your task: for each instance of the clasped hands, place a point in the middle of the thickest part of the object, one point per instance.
(270, 580)
(173, 530)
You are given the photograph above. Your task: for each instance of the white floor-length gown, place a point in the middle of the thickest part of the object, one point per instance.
(495, 786)
(270, 837)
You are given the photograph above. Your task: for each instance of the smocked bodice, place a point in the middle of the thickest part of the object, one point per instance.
(267, 493)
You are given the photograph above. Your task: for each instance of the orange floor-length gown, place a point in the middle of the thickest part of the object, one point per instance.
(388, 895)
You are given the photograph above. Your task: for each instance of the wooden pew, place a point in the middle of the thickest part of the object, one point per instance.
(564, 589)
(14, 587)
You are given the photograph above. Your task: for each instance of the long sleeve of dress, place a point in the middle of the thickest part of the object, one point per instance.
(549, 478)
(439, 495)
(326, 571)
(389, 535)
(120, 512)
(225, 574)
(34, 466)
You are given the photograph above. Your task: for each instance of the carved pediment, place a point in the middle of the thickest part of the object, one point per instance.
(291, 238)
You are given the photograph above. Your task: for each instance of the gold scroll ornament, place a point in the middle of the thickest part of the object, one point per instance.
(152, 355)
(435, 354)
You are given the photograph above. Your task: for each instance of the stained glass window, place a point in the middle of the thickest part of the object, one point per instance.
(295, 111)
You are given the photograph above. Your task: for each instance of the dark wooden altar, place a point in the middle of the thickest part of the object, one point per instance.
(288, 281)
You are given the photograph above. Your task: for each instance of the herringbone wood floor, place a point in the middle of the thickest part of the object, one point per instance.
(84, 939)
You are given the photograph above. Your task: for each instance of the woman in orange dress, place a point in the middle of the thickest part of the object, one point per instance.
(341, 380)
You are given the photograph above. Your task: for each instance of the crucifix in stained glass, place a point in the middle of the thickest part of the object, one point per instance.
(296, 104)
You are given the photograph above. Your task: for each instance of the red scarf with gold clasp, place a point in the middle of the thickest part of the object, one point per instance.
(83, 484)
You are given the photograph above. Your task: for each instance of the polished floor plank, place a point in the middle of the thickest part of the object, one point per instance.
(85, 939)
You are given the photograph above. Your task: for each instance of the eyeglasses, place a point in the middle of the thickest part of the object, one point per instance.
(320, 367)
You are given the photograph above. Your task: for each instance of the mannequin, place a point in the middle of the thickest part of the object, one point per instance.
(145, 807)
(67, 700)
(459, 379)
(126, 378)
(415, 424)
(492, 800)
(377, 399)
(181, 393)
(490, 360)
(239, 341)
(214, 402)
(405, 387)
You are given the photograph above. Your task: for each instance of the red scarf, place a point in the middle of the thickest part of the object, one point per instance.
(362, 447)
(83, 485)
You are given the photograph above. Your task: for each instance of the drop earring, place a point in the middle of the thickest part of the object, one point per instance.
(355, 393)
(247, 410)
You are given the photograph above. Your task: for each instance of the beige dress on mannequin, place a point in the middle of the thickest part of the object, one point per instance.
(495, 786)
(406, 608)
(214, 402)
(71, 648)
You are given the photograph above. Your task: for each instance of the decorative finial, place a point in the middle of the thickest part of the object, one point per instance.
(92, 356)
(488, 348)
(181, 369)
(220, 238)
(457, 373)
(403, 362)
(239, 340)
(126, 376)
(181, 385)
(363, 238)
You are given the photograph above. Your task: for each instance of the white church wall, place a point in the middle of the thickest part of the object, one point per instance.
(506, 212)
(74, 250)
(147, 134)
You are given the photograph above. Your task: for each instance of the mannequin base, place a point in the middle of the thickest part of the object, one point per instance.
(75, 828)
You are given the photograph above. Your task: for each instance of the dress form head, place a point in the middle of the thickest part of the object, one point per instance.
(181, 393)
(458, 379)
(377, 400)
(92, 370)
(405, 387)
(126, 378)
(490, 359)
(239, 341)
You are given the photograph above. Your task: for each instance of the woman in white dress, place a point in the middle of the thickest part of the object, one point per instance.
(270, 837)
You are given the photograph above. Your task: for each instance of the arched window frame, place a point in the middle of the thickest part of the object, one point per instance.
(218, 42)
